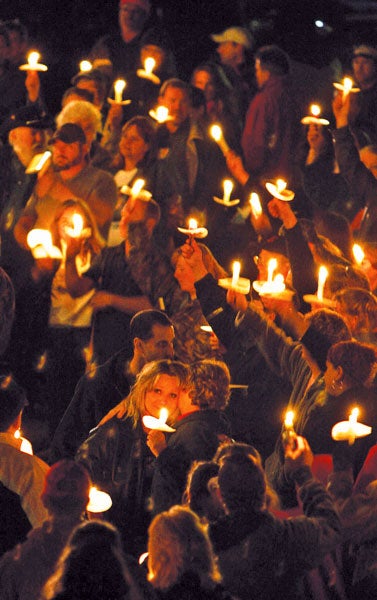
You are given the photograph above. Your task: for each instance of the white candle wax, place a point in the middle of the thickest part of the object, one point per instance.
(236, 272)
(271, 267)
(119, 86)
(322, 276)
(256, 206)
(217, 135)
(228, 188)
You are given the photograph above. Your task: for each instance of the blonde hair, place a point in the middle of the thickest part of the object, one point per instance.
(178, 543)
(146, 380)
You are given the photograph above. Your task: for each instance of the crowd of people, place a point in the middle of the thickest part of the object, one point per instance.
(136, 360)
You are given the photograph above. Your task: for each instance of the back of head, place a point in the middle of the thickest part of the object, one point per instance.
(178, 543)
(66, 488)
(210, 380)
(357, 360)
(197, 492)
(273, 59)
(326, 328)
(12, 401)
(242, 482)
(142, 323)
(79, 112)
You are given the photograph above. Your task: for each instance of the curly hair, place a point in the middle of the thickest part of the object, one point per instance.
(178, 543)
(357, 360)
(210, 380)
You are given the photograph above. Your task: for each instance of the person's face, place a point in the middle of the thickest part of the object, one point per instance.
(132, 212)
(264, 258)
(164, 394)
(152, 51)
(330, 376)
(66, 220)
(65, 156)
(27, 141)
(132, 17)
(364, 70)
(184, 275)
(160, 345)
(315, 136)
(261, 75)
(369, 159)
(229, 52)
(132, 146)
(203, 81)
(92, 87)
(177, 103)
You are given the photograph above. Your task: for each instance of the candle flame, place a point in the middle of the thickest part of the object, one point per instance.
(33, 58)
(358, 254)
(236, 272)
(289, 418)
(271, 267)
(280, 185)
(137, 187)
(216, 132)
(164, 413)
(119, 86)
(161, 114)
(85, 66)
(193, 224)
(322, 276)
(98, 501)
(354, 414)
(347, 84)
(228, 186)
(17, 434)
(149, 65)
(315, 109)
(255, 204)
(78, 224)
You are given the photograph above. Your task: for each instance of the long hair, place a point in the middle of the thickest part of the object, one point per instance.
(146, 380)
(147, 131)
(92, 244)
(178, 543)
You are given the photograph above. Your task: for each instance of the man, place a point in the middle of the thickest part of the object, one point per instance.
(233, 44)
(364, 66)
(261, 556)
(27, 131)
(269, 134)
(152, 338)
(21, 475)
(25, 569)
(70, 177)
(123, 48)
(129, 277)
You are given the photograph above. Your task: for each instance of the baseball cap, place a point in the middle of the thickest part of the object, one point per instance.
(239, 35)
(366, 51)
(69, 133)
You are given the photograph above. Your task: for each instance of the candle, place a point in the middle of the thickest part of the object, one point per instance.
(278, 190)
(85, 66)
(271, 268)
(147, 72)
(149, 65)
(314, 118)
(26, 446)
(161, 114)
(322, 276)
(346, 87)
(289, 436)
(358, 254)
(228, 188)
(217, 135)
(98, 501)
(40, 243)
(32, 63)
(193, 224)
(350, 430)
(38, 162)
(137, 187)
(193, 230)
(161, 303)
(158, 424)
(236, 272)
(275, 288)
(256, 206)
(119, 86)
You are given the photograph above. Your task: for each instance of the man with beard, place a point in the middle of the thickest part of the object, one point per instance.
(70, 176)
(133, 276)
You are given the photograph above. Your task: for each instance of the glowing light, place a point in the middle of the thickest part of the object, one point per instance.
(85, 66)
(322, 276)
(98, 501)
(119, 86)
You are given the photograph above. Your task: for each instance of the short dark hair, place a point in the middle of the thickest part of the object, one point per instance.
(273, 59)
(357, 360)
(242, 482)
(142, 322)
(209, 384)
(12, 400)
(179, 84)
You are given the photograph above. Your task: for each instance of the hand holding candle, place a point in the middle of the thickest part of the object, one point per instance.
(32, 63)
(236, 283)
(119, 86)
(350, 430)
(226, 201)
(193, 231)
(346, 87)
(159, 424)
(289, 436)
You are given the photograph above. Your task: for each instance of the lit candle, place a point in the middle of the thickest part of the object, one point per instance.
(346, 87)
(192, 224)
(40, 243)
(38, 162)
(137, 187)
(236, 272)
(149, 65)
(314, 117)
(358, 254)
(217, 135)
(99, 501)
(32, 63)
(119, 86)
(85, 66)
(158, 424)
(278, 190)
(161, 114)
(271, 268)
(350, 430)
(228, 188)
(26, 446)
(289, 435)
(256, 206)
(147, 72)
(322, 276)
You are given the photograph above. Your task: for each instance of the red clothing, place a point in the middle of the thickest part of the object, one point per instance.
(269, 132)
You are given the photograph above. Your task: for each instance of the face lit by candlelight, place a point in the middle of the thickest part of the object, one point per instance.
(155, 52)
(204, 81)
(65, 156)
(132, 145)
(67, 220)
(178, 103)
(164, 394)
(365, 71)
(159, 346)
(332, 376)
(184, 275)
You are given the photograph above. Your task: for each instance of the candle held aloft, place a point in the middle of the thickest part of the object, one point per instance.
(358, 254)
(314, 117)
(289, 436)
(119, 86)
(346, 87)
(33, 63)
(193, 231)
(235, 283)
(147, 72)
(236, 272)
(99, 501)
(350, 430)
(217, 134)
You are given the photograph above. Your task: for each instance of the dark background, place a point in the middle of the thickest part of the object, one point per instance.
(64, 31)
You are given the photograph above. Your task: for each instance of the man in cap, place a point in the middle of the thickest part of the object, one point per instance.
(232, 47)
(21, 475)
(25, 569)
(70, 176)
(364, 66)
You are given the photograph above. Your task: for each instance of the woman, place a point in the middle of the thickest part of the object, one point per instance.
(181, 562)
(116, 454)
(91, 567)
(359, 309)
(69, 323)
